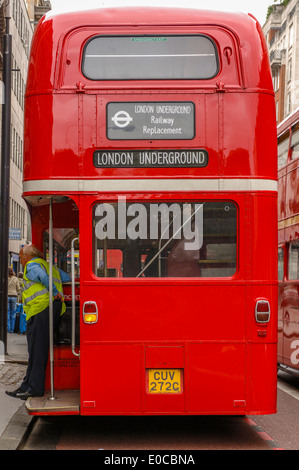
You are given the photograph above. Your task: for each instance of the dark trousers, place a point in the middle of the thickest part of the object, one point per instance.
(38, 349)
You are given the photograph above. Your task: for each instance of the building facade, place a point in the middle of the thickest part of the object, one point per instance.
(23, 17)
(21, 30)
(37, 8)
(282, 33)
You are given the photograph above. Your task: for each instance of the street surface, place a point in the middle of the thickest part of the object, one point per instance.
(175, 433)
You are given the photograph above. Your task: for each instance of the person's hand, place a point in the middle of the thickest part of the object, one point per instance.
(58, 297)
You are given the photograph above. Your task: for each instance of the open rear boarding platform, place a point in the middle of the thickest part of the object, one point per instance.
(64, 402)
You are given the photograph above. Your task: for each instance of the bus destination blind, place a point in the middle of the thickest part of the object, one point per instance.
(151, 120)
(166, 158)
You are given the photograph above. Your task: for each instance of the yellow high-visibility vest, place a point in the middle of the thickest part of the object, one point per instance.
(35, 296)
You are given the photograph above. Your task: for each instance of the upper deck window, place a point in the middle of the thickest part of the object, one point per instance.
(150, 58)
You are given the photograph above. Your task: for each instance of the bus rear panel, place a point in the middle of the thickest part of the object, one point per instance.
(153, 134)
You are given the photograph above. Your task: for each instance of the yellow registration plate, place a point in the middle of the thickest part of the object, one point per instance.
(165, 380)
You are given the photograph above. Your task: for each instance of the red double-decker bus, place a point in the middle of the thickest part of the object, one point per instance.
(288, 243)
(150, 170)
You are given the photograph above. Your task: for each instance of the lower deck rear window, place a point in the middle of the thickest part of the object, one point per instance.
(150, 58)
(165, 239)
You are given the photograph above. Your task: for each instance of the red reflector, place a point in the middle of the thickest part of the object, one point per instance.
(262, 306)
(262, 333)
(239, 402)
(262, 311)
(89, 404)
(90, 307)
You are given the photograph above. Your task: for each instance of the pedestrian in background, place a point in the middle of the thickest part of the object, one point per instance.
(21, 283)
(13, 291)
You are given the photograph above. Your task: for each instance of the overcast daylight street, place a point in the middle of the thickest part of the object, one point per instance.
(149, 228)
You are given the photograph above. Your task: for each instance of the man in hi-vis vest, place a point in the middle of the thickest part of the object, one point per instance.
(36, 306)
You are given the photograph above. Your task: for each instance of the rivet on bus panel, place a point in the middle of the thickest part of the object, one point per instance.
(90, 312)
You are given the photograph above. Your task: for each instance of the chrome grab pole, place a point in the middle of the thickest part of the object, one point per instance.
(73, 298)
(51, 329)
(168, 241)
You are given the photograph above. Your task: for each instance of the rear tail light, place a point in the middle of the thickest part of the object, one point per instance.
(262, 311)
(90, 312)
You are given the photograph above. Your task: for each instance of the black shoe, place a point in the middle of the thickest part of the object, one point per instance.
(14, 393)
(24, 395)
(27, 394)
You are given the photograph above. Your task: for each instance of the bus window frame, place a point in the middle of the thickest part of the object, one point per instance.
(216, 49)
(168, 199)
(69, 73)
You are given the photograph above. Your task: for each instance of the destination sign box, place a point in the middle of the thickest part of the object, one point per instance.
(151, 120)
(183, 158)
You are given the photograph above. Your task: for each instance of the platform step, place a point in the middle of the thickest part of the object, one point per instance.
(65, 402)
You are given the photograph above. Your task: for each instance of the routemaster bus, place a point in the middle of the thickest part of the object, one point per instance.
(288, 243)
(150, 171)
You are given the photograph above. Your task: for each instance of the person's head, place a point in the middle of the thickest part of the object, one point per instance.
(20, 275)
(28, 252)
(10, 272)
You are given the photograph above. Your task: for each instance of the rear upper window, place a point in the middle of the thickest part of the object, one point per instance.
(150, 58)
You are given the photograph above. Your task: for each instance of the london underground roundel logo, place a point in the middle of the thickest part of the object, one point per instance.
(122, 119)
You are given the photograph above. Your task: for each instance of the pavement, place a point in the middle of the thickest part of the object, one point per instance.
(14, 419)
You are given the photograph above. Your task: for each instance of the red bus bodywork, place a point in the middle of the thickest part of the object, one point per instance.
(288, 240)
(204, 327)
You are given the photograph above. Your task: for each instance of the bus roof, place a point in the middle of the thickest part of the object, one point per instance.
(148, 15)
(53, 28)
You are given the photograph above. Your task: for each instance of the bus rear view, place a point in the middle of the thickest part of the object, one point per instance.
(157, 132)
